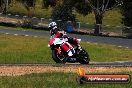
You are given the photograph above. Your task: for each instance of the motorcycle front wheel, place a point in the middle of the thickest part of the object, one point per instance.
(58, 58)
(83, 57)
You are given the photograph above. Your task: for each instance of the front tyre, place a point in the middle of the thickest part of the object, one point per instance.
(83, 57)
(57, 57)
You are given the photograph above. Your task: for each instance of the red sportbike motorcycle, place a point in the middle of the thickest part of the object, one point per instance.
(63, 51)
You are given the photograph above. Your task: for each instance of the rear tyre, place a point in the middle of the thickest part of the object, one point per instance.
(56, 57)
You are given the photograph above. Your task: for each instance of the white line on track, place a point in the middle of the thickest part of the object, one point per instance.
(6, 33)
(96, 43)
(35, 36)
(120, 46)
(16, 34)
(26, 35)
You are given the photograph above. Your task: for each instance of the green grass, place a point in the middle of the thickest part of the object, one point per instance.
(22, 49)
(14, 49)
(104, 52)
(53, 80)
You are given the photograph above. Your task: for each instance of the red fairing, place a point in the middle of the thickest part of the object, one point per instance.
(58, 35)
(75, 39)
(51, 41)
(66, 47)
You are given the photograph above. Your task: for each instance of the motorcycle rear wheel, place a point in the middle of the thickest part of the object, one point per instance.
(56, 57)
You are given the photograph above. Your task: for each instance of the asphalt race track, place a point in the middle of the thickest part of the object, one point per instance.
(96, 64)
(121, 42)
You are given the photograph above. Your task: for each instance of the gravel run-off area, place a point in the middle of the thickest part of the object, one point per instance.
(23, 70)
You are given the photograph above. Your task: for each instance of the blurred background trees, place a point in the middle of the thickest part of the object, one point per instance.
(67, 10)
(64, 11)
(29, 5)
(4, 5)
(126, 10)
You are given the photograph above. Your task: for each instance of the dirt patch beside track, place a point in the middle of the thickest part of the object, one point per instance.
(23, 70)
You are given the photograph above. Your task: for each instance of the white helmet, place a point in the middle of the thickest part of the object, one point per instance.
(53, 28)
(52, 25)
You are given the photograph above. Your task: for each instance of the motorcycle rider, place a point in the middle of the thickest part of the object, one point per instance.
(57, 33)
